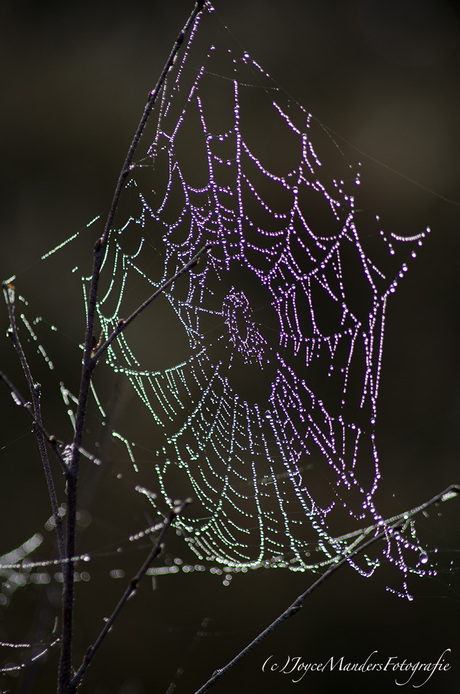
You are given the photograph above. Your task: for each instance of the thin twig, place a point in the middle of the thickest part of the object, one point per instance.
(450, 492)
(89, 364)
(130, 590)
(123, 324)
(199, 5)
(35, 412)
(37, 426)
(56, 445)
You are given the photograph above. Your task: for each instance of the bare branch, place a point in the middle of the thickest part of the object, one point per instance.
(37, 426)
(89, 364)
(34, 410)
(130, 590)
(452, 491)
(123, 324)
(199, 6)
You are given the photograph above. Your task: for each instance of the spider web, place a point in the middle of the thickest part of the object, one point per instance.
(267, 416)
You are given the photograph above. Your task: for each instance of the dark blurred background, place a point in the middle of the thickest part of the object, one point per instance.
(384, 77)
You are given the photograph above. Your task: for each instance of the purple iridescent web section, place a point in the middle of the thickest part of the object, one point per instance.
(269, 421)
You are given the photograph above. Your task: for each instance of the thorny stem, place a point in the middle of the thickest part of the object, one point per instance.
(130, 590)
(89, 363)
(450, 492)
(35, 413)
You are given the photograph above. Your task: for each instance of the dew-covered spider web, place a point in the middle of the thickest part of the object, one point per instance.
(257, 372)
(268, 418)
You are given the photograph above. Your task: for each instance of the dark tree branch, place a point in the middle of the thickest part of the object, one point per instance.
(123, 324)
(387, 531)
(37, 426)
(34, 410)
(89, 364)
(130, 590)
(199, 5)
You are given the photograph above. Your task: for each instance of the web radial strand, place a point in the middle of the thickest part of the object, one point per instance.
(268, 419)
